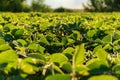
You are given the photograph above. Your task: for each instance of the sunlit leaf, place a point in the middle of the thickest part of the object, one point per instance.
(79, 54)
(103, 77)
(8, 56)
(44, 41)
(59, 58)
(4, 47)
(107, 39)
(59, 77)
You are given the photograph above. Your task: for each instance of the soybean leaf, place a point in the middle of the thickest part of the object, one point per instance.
(103, 77)
(97, 66)
(33, 46)
(99, 24)
(67, 67)
(107, 39)
(64, 41)
(28, 66)
(79, 54)
(117, 36)
(116, 69)
(22, 42)
(91, 33)
(57, 69)
(2, 41)
(101, 54)
(19, 32)
(82, 69)
(4, 47)
(8, 56)
(36, 47)
(44, 41)
(69, 52)
(59, 77)
(59, 58)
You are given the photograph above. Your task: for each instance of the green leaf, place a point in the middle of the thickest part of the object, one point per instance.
(4, 47)
(37, 56)
(2, 41)
(67, 67)
(59, 58)
(96, 48)
(57, 69)
(97, 66)
(78, 34)
(116, 42)
(69, 50)
(75, 35)
(107, 39)
(19, 32)
(1, 28)
(6, 29)
(117, 36)
(116, 69)
(41, 49)
(33, 46)
(91, 33)
(59, 77)
(22, 42)
(11, 67)
(70, 41)
(36, 47)
(108, 47)
(99, 24)
(79, 54)
(82, 69)
(101, 54)
(64, 41)
(28, 66)
(44, 41)
(103, 77)
(8, 56)
(98, 40)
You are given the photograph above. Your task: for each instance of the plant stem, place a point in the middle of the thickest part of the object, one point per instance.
(74, 70)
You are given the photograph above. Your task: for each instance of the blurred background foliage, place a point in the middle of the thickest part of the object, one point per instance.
(22, 6)
(103, 5)
(40, 6)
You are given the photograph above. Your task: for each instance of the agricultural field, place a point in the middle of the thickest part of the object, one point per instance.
(60, 46)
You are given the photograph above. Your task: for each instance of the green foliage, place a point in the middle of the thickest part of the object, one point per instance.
(64, 46)
(59, 77)
(103, 5)
(103, 77)
(22, 6)
(61, 9)
(79, 55)
(8, 56)
(39, 6)
(11, 5)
